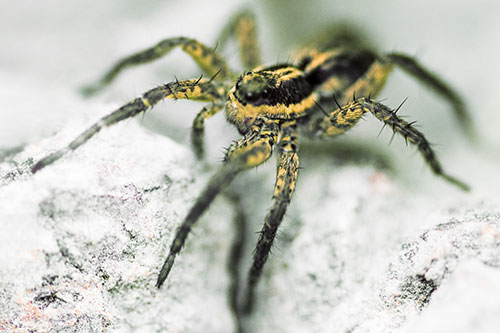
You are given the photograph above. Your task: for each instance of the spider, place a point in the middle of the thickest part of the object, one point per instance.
(321, 94)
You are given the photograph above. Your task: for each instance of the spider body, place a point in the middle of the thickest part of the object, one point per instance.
(278, 92)
(269, 105)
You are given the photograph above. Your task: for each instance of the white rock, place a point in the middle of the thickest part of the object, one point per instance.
(84, 238)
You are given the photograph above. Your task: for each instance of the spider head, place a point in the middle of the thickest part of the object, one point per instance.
(254, 88)
(276, 92)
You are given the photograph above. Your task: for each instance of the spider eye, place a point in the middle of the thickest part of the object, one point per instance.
(250, 96)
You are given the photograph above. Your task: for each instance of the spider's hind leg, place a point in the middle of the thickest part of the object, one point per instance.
(207, 59)
(234, 260)
(424, 76)
(244, 28)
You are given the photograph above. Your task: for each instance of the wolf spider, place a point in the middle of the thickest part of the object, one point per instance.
(269, 105)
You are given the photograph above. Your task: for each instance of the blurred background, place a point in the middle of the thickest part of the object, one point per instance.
(51, 48)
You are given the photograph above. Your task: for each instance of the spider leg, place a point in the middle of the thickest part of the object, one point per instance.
(405, 129)
(198, 129)
(250, 151)
(370, 83)
(338, 121)
(207, 59)
(412, 67)
(244, 28)
(286, 176)
(234, 260)
(200, 90)
(331, 124)
(359, 152)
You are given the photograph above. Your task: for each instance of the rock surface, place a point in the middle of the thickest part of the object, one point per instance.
(83, 240)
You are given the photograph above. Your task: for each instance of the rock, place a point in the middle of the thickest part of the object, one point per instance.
(83, 240)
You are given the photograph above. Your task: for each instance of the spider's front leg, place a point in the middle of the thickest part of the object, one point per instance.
(343, 118)
(252, 150)
(207, 59)
(286, 176)
(200, 90)
(410, 134)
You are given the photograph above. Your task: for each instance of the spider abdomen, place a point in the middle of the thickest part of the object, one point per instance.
(335, 70)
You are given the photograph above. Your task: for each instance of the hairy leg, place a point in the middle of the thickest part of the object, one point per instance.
(424, 76)
(208, 59)
(252, 150)
(198, 129)
(234, 260)
(244, 28)
(286, 176)
(370, 83)
(200, 90)
(333, 123)
(355, 109)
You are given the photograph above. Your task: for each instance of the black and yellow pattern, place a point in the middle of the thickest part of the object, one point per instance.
(244, 28)
(252, 150)
(270, 106)
(198, 128)
(207, 59)
(199, 90)
(278, 92)
(286, 178)
(344, 118)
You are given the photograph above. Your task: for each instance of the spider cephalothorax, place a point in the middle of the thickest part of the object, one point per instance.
(277, 92)
(313, 95)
